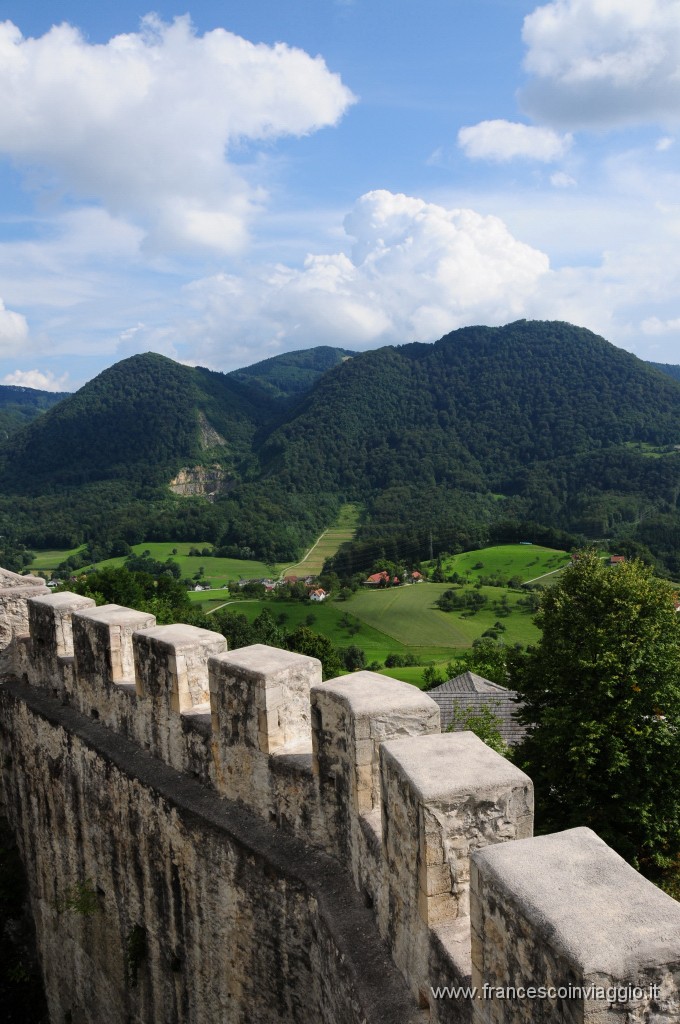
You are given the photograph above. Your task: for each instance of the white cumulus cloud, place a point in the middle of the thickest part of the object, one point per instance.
(415, 271)
(603, 62)
(37, 379)
(653, 325)
(507, 140)
(148, 123)
(13, 330)
(560, 179)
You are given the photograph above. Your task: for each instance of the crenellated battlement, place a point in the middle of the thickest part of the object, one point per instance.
(434, 829)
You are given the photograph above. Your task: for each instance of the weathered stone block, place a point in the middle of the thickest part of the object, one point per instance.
(262, 746)
(352, 715)
(102, 642)
(260, 697)
(563, 911)
(14, 593)
(171, 664)
(444, 796)
(50, 624)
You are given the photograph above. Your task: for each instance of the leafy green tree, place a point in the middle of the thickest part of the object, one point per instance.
(353, 658)
(432, 677)
(266, 631)
(601, 693)
(315, 645)
(164, 597)
(492, 659)
(483, 722)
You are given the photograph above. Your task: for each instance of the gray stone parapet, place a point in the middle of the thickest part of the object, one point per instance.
(14, 593)
(260, 703)
(104, 663)
(455, 795)
(434, 829)
(102, 642)
(51, 630)
(260, 698)
(443, 796)
(565, 913)
(351, 717)
(171, 678)
(171, 664)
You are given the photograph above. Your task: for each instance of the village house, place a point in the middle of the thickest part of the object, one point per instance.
(381, 579)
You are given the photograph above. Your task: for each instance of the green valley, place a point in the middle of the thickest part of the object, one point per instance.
(536, 431)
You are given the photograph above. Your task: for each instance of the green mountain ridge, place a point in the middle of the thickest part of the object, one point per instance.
(292, 374)
(525, 393)
(140, 420)
(20, 405)
(442, 444)
(667, 368)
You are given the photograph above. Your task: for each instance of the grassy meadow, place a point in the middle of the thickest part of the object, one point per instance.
(46, 561)
(217, 572)
(398, 620)
(528, 561)
(335, 619)
(410, 616)
(406, 620)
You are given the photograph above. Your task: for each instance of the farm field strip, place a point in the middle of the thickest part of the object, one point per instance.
(408, 615)
(327, 544)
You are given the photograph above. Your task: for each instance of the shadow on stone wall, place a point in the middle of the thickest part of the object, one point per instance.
(22, 996)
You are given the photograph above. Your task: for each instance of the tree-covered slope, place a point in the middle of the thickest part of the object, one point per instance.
(19, 406)
(668, 368)
(291, 374)
(532, 422)
(440, 443)
(475, 409)
(139, 421)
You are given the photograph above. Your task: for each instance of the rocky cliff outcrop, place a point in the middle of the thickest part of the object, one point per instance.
(204, 481)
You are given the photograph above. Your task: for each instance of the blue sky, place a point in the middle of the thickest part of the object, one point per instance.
(228, 181)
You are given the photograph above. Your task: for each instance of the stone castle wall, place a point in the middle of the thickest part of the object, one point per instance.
(220, 836)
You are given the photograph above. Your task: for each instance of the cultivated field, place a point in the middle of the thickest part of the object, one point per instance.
(335, 620)
(410, 616)
(396, 620)
(328, 543)
(507, 560)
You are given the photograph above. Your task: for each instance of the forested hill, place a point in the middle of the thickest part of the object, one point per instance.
(475, 409)
(444, 444)
(533, 422)
(19, 406)
(141, 420)
(668, 368)
(291, 374)
(146, 417)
